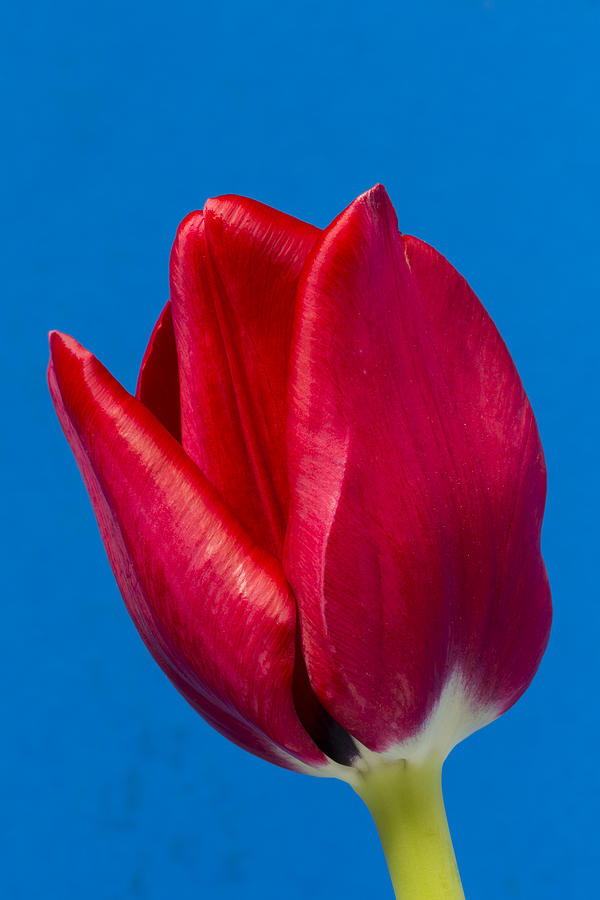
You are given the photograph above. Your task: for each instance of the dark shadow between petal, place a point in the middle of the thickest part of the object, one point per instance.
(328, 735)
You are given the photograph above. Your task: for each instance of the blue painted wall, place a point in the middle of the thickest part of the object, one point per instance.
(481, 118)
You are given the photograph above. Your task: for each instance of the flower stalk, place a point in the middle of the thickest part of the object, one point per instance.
(405, 800)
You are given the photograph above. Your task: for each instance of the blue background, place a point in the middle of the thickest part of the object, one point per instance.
(481, 118)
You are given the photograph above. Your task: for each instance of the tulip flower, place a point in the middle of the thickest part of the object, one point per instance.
(323, 505)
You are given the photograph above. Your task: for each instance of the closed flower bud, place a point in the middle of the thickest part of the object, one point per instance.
(323, 505)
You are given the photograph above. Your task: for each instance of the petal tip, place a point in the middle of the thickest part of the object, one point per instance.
(63, 346)
(55, 340)
(189, 226)
(375, 204)
(60, 346)
(377, 196)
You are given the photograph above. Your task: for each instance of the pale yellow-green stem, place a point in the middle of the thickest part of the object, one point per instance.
(405, 800)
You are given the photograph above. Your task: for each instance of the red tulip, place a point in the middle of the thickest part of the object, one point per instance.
(323, 506)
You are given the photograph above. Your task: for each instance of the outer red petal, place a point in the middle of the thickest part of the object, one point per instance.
(234, 273)
(158, 382)
(212, 608)
(417, 486)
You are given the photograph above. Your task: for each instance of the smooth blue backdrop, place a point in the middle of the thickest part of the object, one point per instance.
(481, 118)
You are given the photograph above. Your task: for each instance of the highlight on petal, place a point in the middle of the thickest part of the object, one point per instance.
(158, 382)
(234, 274)
(212, 607)
(417, 487)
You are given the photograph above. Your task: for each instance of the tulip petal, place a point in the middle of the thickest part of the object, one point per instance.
(417, 487)
(213, 609)
(504, 441)
(234, 273)
(158, 382)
